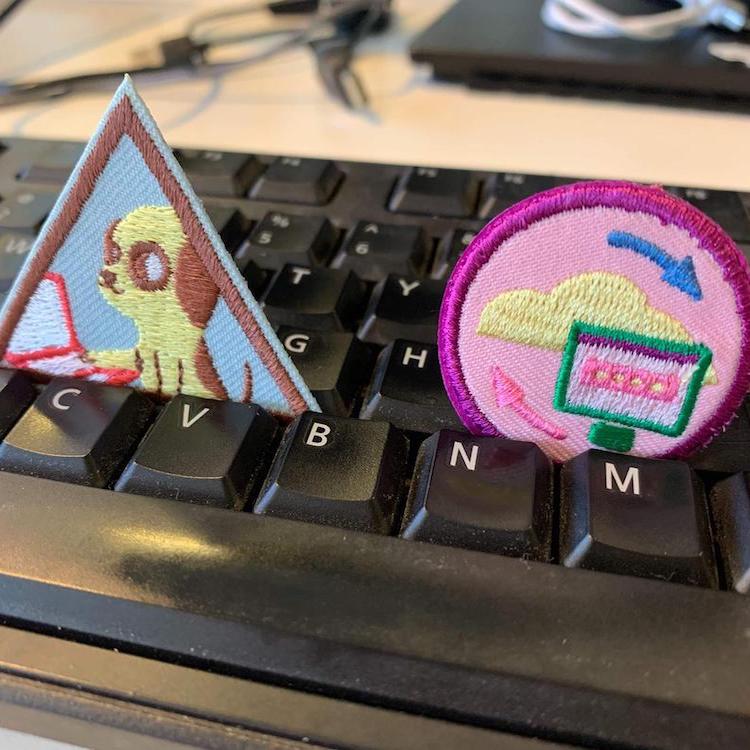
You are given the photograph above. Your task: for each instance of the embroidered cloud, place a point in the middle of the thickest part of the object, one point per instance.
(543, 320)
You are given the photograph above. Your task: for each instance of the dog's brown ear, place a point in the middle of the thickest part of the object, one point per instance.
(196, 294)
(204, 368)
(112, 251)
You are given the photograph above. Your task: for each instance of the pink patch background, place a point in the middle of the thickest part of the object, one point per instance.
(567, 244)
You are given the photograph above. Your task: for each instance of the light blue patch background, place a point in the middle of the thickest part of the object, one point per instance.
(126, 183)
(229, 361)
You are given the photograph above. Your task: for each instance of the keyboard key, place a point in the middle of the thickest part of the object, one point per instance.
(23, 212)
(255, 276)
(578, 658)
(481, 493)
(14, 247)
(321, 299)
(637, 516)
(374, 250)
(335, 366)
(294, 180)
(337, 471)
(407, 389)
(728, 452)
(450, 250)
(231, 224)
(723, 206)
(402, 307)
(53, 165)
(218, 173)
(202, 451)
(730, 511)
(281, 238)
(76, 431)
(435, 192)
(503, 190)
(16, 394)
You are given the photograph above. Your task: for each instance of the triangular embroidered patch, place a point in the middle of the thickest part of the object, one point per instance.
(129, 283)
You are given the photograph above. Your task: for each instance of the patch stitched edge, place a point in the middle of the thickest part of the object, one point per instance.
(607, 194)
(120, 120)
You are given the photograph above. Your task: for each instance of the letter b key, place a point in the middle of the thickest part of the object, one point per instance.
(337, 471)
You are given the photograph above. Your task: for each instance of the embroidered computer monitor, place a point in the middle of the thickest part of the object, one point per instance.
(624, 377)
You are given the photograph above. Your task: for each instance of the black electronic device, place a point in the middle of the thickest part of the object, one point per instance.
(506, 45)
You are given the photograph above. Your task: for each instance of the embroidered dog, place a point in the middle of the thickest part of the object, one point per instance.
(153, 275)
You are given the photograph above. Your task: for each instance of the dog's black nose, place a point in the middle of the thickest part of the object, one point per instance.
(108, 278)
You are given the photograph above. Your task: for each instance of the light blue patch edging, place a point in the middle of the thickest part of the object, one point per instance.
(126, 89)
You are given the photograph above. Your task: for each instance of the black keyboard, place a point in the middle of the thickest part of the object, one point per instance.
(371, 576)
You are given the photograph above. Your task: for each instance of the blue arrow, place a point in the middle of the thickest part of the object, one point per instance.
(677, 273)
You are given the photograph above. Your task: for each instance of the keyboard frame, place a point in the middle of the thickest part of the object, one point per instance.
(380, 632)
(77, 693)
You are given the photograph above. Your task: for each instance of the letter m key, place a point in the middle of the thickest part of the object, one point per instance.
(629, 484)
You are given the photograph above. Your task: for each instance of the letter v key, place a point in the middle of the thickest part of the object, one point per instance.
(187, 420)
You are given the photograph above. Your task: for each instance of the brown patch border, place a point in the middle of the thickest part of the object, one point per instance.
(124, 121)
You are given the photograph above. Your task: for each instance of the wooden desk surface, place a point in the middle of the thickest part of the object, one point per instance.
(279, 106)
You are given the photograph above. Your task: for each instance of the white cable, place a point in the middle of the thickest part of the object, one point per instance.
(589, 18)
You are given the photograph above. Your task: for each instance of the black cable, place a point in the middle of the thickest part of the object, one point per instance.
(19, 93)
(5, 13)
(188, 55)
(333, 56)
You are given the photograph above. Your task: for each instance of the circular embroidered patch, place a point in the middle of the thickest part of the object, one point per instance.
(598, 314)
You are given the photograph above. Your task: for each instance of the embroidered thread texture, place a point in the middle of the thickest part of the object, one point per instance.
(152, 297)
(511, 395)
(619, 394)
(527, 316)
(55, 348)
(611, 438)
(634, 381)
(677, 273)
(152, 275)
(620, 314)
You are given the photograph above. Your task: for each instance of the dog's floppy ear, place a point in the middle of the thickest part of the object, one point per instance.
(196, 294)
(112, 251)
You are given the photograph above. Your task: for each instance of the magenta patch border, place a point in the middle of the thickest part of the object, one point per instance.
(607, 194)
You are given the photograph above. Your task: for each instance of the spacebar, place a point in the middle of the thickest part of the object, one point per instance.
(469, 636)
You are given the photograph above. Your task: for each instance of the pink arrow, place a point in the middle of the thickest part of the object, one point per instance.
(510, 394)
